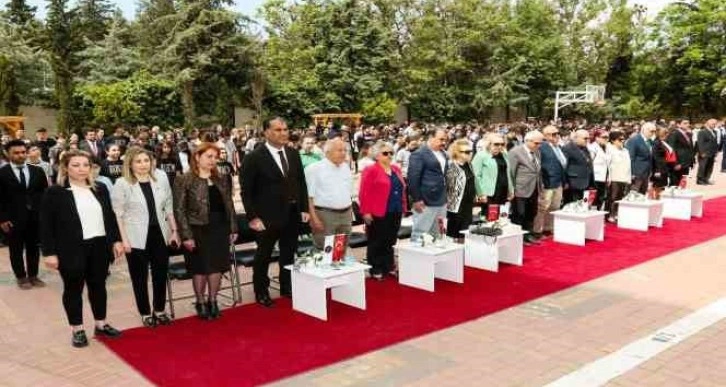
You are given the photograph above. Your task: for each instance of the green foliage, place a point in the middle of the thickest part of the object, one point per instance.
(380, 109)
(139, 100)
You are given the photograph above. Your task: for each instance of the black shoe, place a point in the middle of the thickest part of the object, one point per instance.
(214, 312)
(79, 339)
(162, 318)
(107, 331)
(149, 321)
(265, 301)
(202, 310)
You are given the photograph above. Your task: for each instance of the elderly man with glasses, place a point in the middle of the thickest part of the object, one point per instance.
(525, 167)
(578, 172)
(554, 163)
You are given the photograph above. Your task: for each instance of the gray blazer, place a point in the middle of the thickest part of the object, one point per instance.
(129, 205)
(526, 175)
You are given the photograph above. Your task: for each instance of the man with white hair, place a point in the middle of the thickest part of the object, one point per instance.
(707, 148)
(525, 168)
(553, 178)
(578, 170)
(330, 189)
(641, 157)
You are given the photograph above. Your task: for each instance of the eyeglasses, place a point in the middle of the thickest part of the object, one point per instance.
(605, 137)
(537, 142)
(498, 144)
(387, 153)
(553, 134)
(467, 152)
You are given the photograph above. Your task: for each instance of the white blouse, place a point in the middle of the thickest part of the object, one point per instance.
(89, 211)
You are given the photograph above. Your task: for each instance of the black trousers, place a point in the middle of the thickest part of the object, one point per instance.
(524, 211)
(640, 184)
(617, 191)
(676, 176)
(24, 238)
(92, 272)
(382, 235)
(287, 236)
(572, 195)
(705, 168)
(602, 194)
(156, 255)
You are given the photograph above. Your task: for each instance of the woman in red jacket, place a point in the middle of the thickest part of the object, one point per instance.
(382, 197)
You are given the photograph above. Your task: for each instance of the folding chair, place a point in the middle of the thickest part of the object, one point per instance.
(178, 272)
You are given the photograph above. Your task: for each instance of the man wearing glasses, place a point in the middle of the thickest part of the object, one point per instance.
(525, 168)
(427, 184)
(579, 172)
(553, 178)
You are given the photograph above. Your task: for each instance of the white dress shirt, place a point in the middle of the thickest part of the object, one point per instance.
(442, 159)
(330, 185)
(23, 167)
(89, 211)
(276, 156)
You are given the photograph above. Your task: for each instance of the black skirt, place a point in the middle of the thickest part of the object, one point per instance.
(212, 246)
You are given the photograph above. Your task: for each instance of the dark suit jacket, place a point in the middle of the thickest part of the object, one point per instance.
(641, 157)
(683, 146)
(553, 173)
(660, 165)
(14, 197)
(426, 181)
(85, 146)
(578, 173)
(263, 186)
(706, 143)
(61, 233)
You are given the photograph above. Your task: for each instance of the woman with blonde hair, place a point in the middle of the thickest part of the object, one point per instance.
(142, 201)
(491, 170)
(460, 189)
(81, 248)
(207, 225)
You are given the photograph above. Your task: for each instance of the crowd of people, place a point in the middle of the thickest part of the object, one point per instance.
(86, 203)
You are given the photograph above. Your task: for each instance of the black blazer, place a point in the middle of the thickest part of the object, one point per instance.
(578, 173)
(61, 233)
(683, 146)
(13, 197)
(706, 142)
(263, 186)
(659, 164)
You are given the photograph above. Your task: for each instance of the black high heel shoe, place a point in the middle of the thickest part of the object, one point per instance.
(214, 312)
(202, 310)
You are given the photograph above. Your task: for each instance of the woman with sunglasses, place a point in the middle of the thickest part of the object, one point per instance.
(460, 190)
(600, 161)
(491, 173)
(382, 196)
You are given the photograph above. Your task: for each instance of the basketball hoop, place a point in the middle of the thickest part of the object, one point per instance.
(591, 94)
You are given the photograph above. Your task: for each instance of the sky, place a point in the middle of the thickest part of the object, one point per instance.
(249, 7)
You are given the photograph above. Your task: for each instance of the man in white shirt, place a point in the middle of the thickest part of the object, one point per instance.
(330, 188)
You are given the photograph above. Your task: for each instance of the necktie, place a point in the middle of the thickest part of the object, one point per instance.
(23, 182)
(534, 160)
(283, 161)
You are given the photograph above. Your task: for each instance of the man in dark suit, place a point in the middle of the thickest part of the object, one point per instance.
(578, 173)
(641, 157)
(91, 145)
(275, 199)
(427, 184)
(682, 143)
(21, 190)
(707, 147)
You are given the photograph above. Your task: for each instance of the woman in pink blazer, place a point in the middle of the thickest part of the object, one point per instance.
(382, 197)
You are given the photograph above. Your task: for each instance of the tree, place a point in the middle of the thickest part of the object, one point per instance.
(110, 59)
(19, 12)
(95, 18)
(62, 42)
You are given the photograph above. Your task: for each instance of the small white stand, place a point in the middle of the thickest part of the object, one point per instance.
(310, 284)
(483, 252)
(575, 227)
(640, 215)
(418, 266)
(682, 205)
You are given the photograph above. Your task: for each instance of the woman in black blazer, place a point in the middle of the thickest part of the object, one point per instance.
(80, 247)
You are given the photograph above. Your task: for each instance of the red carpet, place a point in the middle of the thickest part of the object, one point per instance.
(251, 345)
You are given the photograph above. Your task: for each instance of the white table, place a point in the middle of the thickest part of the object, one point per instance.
(310, 285)
(483, 252)
(419, 266)
(575, 227)
(682, 205)
(640, 215)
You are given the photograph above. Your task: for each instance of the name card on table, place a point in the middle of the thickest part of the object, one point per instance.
(493, 213)
(683, 184)
(589, 196)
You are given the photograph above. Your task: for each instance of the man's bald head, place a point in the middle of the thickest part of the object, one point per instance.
(581, 137)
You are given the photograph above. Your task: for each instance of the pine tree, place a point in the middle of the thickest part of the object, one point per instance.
(19, 12)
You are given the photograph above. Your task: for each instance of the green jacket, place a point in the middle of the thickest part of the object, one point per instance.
(485, 173)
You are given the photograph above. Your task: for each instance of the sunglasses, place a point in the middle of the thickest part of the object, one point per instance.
(467, 152)
(498, 143)
(387, 153)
